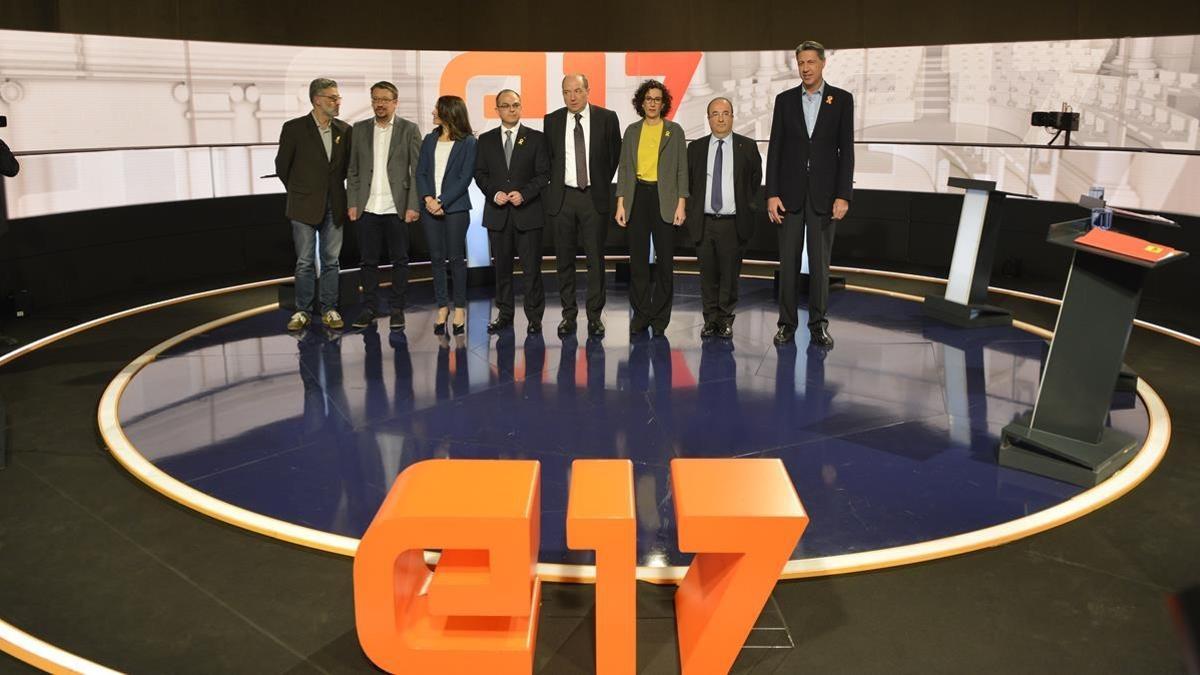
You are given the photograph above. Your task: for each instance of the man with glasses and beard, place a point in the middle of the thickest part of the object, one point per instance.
(312, 160)
(381, 186)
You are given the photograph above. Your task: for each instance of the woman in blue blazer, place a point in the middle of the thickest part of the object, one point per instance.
(444, 170)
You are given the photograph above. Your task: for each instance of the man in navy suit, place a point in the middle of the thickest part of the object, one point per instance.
(810, 176)
(512, 167)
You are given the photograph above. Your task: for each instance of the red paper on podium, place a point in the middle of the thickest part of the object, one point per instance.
(1115, 242)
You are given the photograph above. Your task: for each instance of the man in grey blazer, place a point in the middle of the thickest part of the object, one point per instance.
(380, 187)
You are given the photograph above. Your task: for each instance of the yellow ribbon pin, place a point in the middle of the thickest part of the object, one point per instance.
(828, 100)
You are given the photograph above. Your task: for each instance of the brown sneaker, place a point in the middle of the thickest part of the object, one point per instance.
(298, 321)
(332, 319)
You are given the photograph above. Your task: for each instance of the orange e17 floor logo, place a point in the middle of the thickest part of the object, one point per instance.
(675, 68)
(476, 611)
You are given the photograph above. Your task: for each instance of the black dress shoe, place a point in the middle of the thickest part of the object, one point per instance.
(785, 335)
(596, 328)
(497, 325)
(535, 327)
(365, 318)
(396, 321)
(821, 336)
(725, 331)
(709, 330)
(658, 332)
(460, 328)
(566, 326)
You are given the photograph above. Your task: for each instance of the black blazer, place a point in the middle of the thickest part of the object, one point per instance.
(309, 176)
(8, 162)
(602, 164)
(528, 173)
(820, 168)
(747, 181)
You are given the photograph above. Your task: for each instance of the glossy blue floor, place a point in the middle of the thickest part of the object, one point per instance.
(890, 437)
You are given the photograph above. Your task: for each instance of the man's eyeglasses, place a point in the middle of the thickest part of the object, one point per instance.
(377, 101)
(508, 106)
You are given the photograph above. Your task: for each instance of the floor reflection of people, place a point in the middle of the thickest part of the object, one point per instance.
(348, 505)
(719, 428)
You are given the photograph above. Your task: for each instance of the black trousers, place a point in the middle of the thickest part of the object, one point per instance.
(650, 293)
(797, 225)
(372, 230)
(579, 220)
(507, 243)
(447, 237)
(720, 255)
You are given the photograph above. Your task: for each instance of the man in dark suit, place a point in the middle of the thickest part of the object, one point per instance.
(314, 152)
(725, 175)
(380, 187)
(810, 176)
(585, 147)
(512, 167)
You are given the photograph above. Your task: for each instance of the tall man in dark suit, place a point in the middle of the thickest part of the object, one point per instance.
(725, 173)
(314, 152)
(512, 167)
(810, 175)
(585, 148)
(380, 186)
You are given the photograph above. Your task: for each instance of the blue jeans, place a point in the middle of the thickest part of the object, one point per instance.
(304, 236)
(447, 237)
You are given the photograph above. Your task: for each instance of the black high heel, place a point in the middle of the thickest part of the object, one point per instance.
(439, 328)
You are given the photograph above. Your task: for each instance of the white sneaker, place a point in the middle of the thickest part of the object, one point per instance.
(298, 321)
(332, 319)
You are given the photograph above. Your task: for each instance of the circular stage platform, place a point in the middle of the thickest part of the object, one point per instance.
(890, 437)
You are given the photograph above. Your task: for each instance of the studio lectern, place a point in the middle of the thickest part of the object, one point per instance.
(965, 301)
(1064, 437)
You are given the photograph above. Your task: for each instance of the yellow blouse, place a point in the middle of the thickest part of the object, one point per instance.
(647, 157)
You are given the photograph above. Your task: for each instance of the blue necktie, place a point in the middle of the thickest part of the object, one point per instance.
(718, 200)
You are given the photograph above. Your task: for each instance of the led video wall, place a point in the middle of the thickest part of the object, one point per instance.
(218, 107)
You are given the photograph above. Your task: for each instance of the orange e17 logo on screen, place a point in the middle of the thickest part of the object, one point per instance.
(675, 68)
(477, 610)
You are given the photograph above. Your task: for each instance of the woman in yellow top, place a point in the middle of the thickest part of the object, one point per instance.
(652, 190)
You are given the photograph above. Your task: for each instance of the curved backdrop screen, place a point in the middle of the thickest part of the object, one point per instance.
(66, 92)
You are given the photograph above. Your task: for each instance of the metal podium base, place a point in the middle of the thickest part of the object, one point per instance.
(965, 316)
(1063, 458)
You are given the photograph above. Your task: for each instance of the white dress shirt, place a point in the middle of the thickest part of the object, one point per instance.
(569, 155)
(381, 202)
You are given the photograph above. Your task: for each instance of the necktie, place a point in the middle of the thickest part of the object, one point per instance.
(508, 147)
(581, 176)
(718, 199)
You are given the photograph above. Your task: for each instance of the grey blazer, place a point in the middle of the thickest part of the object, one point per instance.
(401, 165)
(672, 168)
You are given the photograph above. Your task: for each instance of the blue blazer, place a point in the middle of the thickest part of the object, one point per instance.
(460, 171)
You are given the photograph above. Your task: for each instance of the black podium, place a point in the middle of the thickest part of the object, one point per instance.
(965, 301)
(1064, 437)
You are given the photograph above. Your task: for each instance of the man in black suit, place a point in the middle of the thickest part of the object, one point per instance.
(810, 176)
(585, 147)
(512, 167)
(314, 152)
(725, 174)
